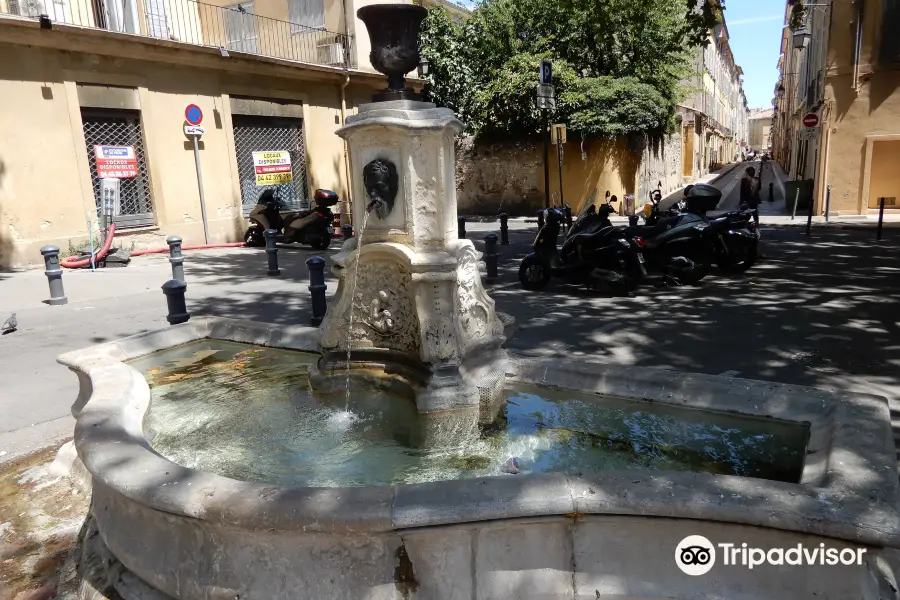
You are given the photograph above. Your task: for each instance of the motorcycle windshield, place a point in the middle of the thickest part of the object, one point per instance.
(585, 219)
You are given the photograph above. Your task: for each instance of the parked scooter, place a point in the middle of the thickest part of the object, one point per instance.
(674, 244)
(734, 234)
(312, 227)
(592, 254)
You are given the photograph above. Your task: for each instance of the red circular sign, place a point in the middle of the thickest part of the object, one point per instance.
(193, 114)
(811, 120)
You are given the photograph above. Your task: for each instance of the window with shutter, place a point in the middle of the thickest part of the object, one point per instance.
(890, 25)
(306, 14)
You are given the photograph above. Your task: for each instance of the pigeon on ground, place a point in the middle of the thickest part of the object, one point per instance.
(10, 325)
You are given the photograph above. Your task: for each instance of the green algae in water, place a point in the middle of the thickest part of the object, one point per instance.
(248, 413)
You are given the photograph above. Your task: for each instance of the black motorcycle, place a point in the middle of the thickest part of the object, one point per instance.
(312, 227)
(734, 235)
(591, 254)
(675, 245)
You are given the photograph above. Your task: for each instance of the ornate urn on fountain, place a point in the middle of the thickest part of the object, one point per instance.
(394, 34)
(410, 302)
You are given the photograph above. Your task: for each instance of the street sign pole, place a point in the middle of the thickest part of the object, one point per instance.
(194, 116)
(200, 186)
(545, 99)
(546, 161)
(559, 160)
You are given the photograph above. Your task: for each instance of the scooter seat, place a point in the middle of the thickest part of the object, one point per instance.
(649, 231)
(588, 238)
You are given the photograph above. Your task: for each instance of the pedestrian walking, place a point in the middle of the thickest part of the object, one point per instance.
(750, 185)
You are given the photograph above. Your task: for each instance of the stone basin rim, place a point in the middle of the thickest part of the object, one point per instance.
(832, 500)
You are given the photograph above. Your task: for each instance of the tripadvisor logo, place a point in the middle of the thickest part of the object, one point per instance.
(696, 555)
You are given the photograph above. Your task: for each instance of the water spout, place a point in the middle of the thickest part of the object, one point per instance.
(359, 239)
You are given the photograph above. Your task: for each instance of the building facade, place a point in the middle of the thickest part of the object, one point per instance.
(714, 116)
(90, 75)
(760, 136)
(840, 61)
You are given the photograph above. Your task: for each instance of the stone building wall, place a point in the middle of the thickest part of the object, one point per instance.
(661, 161)
(509, 176)
(499, 177)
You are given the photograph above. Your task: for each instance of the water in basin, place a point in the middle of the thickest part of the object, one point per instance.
(247, 412)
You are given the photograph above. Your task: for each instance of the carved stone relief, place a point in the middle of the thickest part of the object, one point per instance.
(383, 310)
(477, 319)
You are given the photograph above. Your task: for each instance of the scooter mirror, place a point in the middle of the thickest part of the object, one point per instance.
(607, 194)
(659, 184)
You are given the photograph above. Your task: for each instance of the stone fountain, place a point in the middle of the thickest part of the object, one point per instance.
(410, 301)
(414, 315)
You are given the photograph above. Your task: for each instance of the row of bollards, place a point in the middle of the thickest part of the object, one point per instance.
(176, 288)
(504, 228)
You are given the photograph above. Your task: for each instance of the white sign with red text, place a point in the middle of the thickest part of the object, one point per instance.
(117, 162)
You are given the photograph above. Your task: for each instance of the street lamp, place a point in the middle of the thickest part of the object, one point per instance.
(423, 68)
(780, 91)
(801, 38)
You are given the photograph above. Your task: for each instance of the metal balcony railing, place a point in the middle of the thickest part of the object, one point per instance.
(234, 28)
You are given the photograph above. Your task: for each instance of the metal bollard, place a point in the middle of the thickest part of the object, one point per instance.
(880, 219)
(272, 251)
(504, 229)
(174, 291)
(317, 287)
(54, 275)
(347, 231)
(175, 257)
(540, 219)
(461, 221)
(490, 256)
(771, 192)
(632, 220)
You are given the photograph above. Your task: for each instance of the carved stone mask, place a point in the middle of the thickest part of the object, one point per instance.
(381, 181)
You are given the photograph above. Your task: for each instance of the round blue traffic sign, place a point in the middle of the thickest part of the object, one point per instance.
(193, 114)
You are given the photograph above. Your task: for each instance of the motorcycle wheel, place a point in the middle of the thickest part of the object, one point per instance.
(322, 243)
(702, 265)
(740, 257)
(253, 237)
(533, 274)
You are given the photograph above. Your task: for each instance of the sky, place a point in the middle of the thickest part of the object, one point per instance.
(754, 27)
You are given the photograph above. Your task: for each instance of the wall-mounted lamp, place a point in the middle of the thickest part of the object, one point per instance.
(45, 21)
(423, 68)
(780, 91)
(801, 38)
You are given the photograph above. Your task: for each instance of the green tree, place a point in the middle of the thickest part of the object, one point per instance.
(617, 63)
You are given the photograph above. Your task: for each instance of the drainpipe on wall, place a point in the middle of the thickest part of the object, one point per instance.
(349, 185)
(348, 49)
(857, 50)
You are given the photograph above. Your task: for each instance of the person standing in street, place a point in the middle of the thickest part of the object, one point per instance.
(750, 192)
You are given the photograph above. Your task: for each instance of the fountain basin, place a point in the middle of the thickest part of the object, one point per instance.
(191, 534)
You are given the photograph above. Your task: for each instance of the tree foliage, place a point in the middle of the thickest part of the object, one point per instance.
(617, 64)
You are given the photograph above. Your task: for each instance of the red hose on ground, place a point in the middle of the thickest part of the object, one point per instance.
(73, 262)
(196, 247)
(78, 263)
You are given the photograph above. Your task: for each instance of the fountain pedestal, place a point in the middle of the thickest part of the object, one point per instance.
(410, 299)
